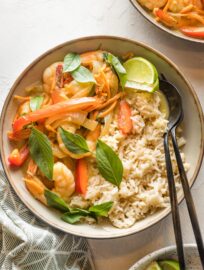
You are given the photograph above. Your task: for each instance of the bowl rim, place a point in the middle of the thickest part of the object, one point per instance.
(87, 38)
(160, 252)
(147, 16)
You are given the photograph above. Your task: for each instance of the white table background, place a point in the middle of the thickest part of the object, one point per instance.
(30, 27)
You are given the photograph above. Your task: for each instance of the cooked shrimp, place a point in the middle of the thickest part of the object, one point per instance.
(49, 77)
(107, 81)
(36, 188)
(98, 66)
(32, 168)
(88, 58)
(73, 89)
(152, 4)
(112, 79)
(64, 183)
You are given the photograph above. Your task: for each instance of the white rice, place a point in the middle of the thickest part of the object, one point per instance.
(144, 187)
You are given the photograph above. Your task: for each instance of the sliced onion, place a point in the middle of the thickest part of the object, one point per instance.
(90, 124)
(77, 117)
(74, 117)
(108, 119)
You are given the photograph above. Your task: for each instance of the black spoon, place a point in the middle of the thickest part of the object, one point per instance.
(175, 118)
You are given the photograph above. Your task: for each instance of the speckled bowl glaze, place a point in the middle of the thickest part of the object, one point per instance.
(193, 128)
(191, 257)
(148, 15)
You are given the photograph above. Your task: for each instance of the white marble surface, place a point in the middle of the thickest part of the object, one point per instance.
(30, 27)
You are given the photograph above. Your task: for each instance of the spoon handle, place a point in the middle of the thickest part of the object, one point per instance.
(189, 199)
(174, 204)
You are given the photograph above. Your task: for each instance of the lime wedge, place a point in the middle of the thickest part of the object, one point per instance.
(169, 265)
(141, 75)
(143, 86)
(140, 70)
(153, 266)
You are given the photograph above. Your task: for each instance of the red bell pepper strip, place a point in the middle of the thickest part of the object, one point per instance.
(49, 111)
(81, 179)
(124, 117)
(18, 157)
(165, 17)
(195, 32)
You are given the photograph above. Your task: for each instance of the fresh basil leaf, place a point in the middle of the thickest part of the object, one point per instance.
(71, 218)
(115, 62)
(101, 209)
(36, 102)
(79, 211)
(73, 142)
(109, 164)
(83, 75)
(55, 201)
(71, 62)
(118, 67)
(74, 215)
(41, 152)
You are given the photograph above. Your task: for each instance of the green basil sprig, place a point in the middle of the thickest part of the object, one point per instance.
(72, 218)
(74, 215)
(101, 209)
(83, 75)
(73, 142)
(109, 164)
(118, 67)
(36, 102)
(71, 62)
(41, 152)
(55, 201)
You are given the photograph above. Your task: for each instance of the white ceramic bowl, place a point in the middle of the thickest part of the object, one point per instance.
(191, 257)
(148, 15)
(193, 130)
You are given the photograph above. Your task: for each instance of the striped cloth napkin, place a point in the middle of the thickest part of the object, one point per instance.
(28, 243)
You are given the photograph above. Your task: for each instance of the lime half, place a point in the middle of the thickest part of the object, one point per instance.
(169, 265)
(153, 266)
(141, 75)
